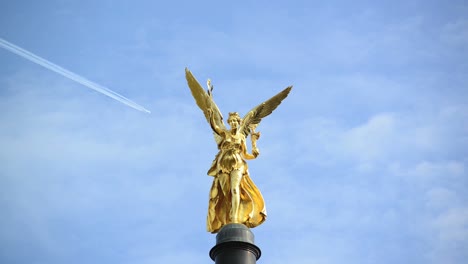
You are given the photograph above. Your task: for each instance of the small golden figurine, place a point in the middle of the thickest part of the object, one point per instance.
(234, 198)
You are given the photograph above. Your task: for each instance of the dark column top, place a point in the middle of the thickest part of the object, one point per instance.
(235, 245)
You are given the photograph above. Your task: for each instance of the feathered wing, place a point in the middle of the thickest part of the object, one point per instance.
(205, 101)
(253, 118)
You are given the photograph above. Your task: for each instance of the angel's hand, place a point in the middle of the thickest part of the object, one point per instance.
(210, 112)
(255, 136)
(255, 152)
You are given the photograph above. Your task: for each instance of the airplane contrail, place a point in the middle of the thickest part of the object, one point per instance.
(70, 75)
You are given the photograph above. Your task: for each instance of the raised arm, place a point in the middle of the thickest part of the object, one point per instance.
(213, 124)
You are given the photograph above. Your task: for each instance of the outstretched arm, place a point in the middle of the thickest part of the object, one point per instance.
(255, 151)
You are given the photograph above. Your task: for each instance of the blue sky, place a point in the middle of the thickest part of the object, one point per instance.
(365, 161)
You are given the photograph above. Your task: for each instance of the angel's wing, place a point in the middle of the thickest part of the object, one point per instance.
(253, 118)
(205, 101)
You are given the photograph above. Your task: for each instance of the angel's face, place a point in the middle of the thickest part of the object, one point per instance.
(233, 123)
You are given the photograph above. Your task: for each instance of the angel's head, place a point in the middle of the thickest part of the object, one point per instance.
(234, 120)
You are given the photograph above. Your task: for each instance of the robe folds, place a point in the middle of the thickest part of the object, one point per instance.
(252, 210)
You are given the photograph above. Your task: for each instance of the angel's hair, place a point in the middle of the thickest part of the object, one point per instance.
(234, 115)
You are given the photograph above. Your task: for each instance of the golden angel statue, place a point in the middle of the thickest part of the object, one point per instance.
(234, 198)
